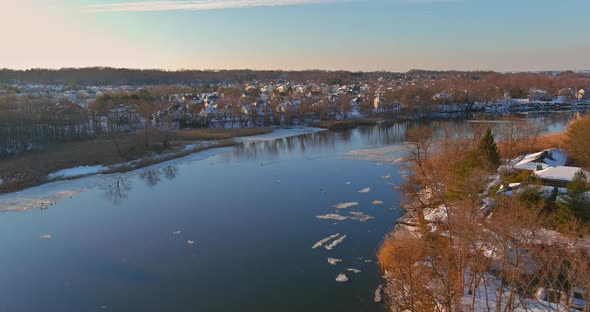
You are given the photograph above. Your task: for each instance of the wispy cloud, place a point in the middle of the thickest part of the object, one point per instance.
(139, 6)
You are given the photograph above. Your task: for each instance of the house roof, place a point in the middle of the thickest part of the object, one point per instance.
(546, 158)
(559, 173)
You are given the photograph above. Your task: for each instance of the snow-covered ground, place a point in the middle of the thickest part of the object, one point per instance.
(280, 133)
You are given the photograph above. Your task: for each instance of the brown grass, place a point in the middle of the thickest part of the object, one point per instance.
(345, 124)
(542, 142)
(217, 134)
(552, 140)
(32, 168)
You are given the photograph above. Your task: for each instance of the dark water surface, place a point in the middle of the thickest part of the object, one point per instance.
(251, 212)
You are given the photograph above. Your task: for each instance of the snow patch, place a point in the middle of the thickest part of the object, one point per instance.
(353, 270)
(334, 261)
(377, 202)
(365, 190)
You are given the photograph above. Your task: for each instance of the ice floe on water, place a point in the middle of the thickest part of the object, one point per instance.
(384, 177)
(334, 261)
(176, 232)
(335, 243)
(365, 190)
(45, 236)
(322, 241)
(190, 242)
(356, 215)
(332, 216)
(389, 153)
(346, 205)
(353, 270)
(341, 278)
(377, 202)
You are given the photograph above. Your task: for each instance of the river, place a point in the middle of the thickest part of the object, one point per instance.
(230, 229)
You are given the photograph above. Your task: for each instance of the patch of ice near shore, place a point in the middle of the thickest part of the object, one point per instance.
(377, 202)
(280, 133)
(365, 190)
(322, 241)
(18, 201)
(332, 216)
(76, 171)
(353, 270)
(334, 261)
(386, 177)
(335, 243)
(378, 293)
(346, 205)
(341, 278)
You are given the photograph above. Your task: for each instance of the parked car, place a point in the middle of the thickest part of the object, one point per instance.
(576, 299)
(579, 298)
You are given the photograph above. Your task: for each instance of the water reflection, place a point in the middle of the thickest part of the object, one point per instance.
(170, 172)
(331, 143)
(153, 176)
(118, 189)
(150, 177)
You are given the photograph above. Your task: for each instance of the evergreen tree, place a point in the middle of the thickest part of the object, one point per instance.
(489, 150)
(575, 203)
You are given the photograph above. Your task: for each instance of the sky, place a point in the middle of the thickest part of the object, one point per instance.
(357, 35)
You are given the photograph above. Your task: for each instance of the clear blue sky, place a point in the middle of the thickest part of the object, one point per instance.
(395, 35)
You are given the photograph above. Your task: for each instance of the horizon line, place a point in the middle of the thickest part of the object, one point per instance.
(288, 70)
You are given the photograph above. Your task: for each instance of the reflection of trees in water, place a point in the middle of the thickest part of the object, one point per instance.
(153, 177)
(117, 190)
(170, 172)
(301, 143)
